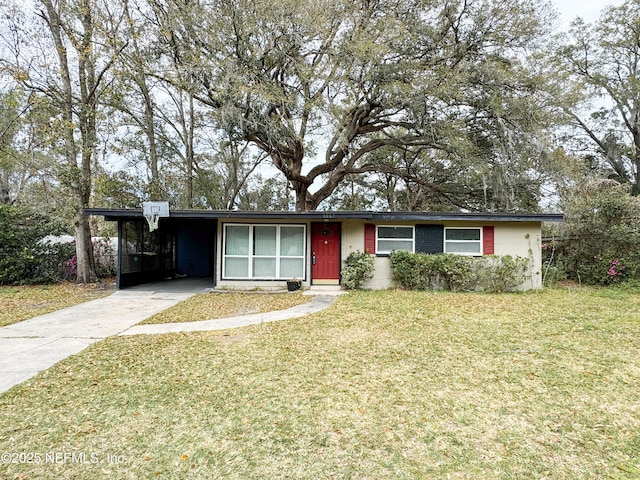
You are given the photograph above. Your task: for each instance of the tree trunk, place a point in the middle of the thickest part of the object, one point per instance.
(303, 201)
(5, 194)
(189, 134)
(80, 175)
(85, 269)
(155, 192)
(635, 190)
(85, 263)
(88, 134)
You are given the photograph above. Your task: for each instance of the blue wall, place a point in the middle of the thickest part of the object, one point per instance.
(194, 250)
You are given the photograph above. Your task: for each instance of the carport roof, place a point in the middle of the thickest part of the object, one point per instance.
(124, 214)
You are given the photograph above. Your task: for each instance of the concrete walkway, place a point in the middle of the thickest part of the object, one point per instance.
(33, 345)
(316, 304)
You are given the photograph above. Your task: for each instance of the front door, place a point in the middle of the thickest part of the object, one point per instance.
(325, 251)
(194, 249)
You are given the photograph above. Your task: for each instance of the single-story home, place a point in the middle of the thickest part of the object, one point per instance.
(240, 249)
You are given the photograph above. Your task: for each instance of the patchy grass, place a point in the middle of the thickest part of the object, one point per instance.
(390, 384)
(205, 306)
(22, 302)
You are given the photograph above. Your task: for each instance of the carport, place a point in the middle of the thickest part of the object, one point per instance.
(183, 245)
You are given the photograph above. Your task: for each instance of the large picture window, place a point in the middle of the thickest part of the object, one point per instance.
(266, 252)
(463, 241)
(390, 238)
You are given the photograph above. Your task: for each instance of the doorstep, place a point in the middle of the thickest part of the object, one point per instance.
(333, 290)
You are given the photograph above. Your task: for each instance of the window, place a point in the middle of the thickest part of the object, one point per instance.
(389, 239)
(268, 252)
(464, 241)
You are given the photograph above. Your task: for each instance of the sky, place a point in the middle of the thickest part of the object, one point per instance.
(589, 10)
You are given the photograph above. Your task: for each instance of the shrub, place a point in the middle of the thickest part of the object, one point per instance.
(553, 263)
(24, 258)
(457, 271)
(405, 271)
(358, 269)
(606, 270)
(552, 274)
(601, 241)
(505, 273)
(442, 271)
(105, 257)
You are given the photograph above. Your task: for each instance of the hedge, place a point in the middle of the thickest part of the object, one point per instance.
(443, 271)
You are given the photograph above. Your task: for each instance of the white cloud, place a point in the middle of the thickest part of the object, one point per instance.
(589, 10)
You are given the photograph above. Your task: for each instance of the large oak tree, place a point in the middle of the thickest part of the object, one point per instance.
(319, 85)
(604, 60)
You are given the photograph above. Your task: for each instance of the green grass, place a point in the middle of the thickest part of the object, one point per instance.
(205, 306)
(397, 385)
(27, 301)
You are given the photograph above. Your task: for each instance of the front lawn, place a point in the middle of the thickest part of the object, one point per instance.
(205, 306)
(391, 384)
(27, 301)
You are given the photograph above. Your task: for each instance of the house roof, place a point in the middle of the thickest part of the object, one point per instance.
(123, 214)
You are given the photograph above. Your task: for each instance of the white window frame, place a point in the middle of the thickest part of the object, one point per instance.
(468, 254)
(250, 256)
(388, 252)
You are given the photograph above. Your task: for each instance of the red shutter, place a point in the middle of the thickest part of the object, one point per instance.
(369, 238)
(488, 244)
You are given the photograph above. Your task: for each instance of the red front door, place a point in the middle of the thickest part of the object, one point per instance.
(325, 251)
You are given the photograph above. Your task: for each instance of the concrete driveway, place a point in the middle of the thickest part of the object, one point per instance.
(33, 345)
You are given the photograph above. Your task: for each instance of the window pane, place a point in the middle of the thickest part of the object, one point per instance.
(292, 241)
(463, 247)
(151, 250)
(395, 232)
(237, 240)
(264, 240)
(391, 245)
(151, 241)
(463, 234)
(131, 247)
(131, 237)
(291, 267)
(264, 267)
(237, 267)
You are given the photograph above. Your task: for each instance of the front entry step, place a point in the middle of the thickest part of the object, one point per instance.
(322, 282)
(324, 290)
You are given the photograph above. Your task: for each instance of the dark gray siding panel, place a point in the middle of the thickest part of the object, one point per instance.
(429, 238)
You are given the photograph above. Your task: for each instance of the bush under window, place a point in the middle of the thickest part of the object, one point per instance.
(444, 271)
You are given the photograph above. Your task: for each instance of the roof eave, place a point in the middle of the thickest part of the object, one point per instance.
(123, 214)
